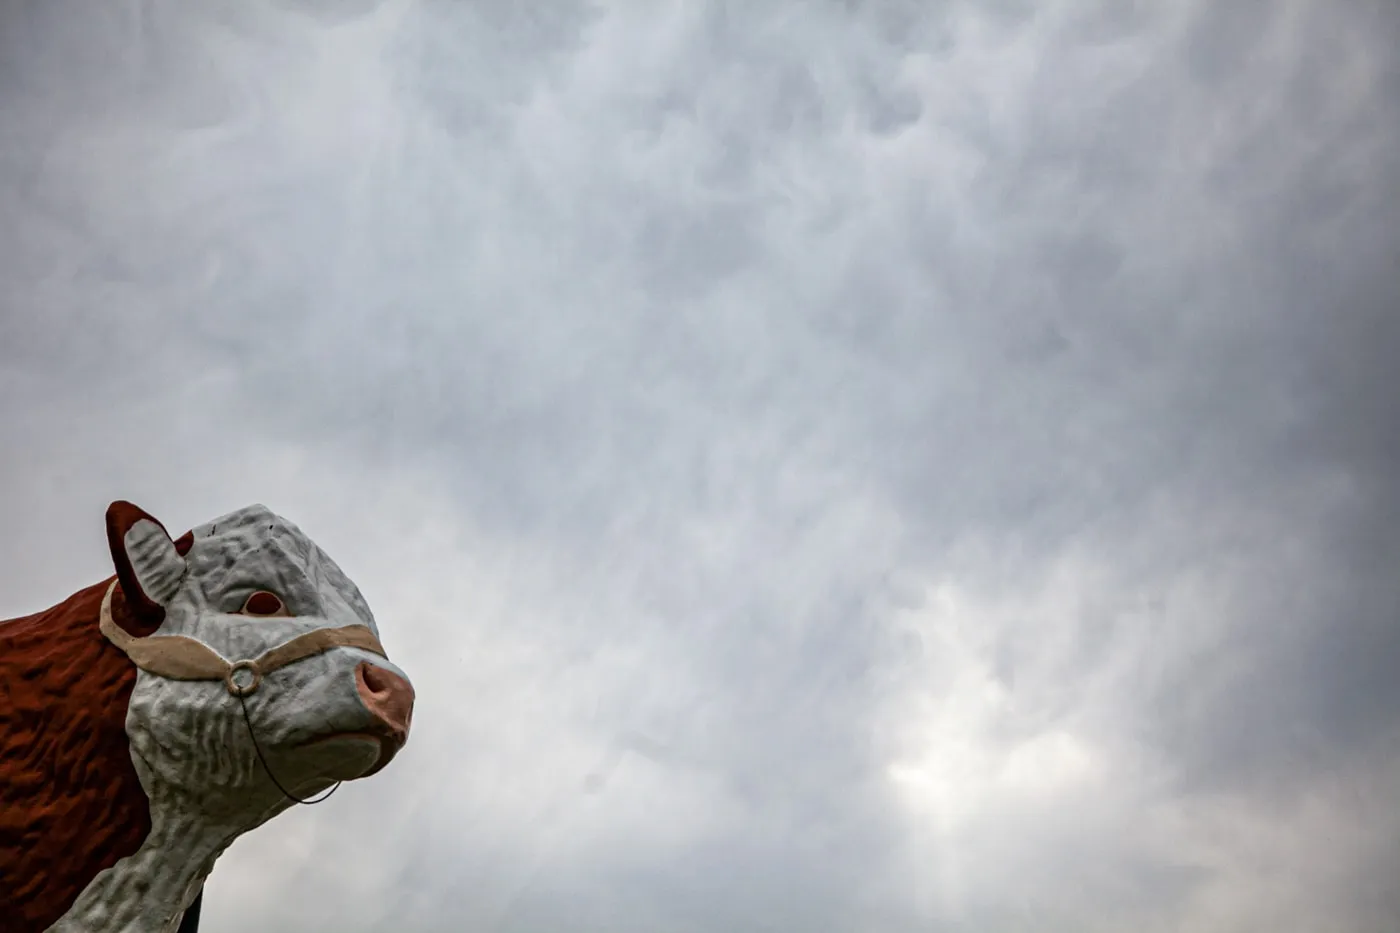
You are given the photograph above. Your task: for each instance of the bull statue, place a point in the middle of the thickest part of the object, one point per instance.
(149, 720)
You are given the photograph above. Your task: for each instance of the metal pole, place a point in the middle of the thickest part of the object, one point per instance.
(190, 922)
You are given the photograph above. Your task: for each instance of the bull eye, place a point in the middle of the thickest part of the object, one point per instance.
(263, 603)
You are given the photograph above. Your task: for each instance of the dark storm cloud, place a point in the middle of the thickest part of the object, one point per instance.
(905, 464)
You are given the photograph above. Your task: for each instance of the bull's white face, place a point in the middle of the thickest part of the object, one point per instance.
(252, 581)
(248, 583)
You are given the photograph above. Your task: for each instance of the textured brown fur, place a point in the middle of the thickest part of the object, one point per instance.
(71, 804)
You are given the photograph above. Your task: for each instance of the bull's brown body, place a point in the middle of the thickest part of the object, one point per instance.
(71, 804)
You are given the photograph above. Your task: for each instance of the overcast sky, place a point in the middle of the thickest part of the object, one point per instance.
(829, 467)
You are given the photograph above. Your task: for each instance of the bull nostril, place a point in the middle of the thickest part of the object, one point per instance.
(385, 694)
(375, 681)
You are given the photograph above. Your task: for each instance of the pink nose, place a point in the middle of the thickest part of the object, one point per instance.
(388, 697)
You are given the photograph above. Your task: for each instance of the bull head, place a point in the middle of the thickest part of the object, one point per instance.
(223, 738)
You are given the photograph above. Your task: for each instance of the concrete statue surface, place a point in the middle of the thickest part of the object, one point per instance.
(149, 720)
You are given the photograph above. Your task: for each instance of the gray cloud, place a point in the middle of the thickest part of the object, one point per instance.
(831, 467)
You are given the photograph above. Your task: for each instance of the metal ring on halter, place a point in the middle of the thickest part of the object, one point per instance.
(238, 689)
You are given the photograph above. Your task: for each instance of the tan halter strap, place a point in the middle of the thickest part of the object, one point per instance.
(180, 658)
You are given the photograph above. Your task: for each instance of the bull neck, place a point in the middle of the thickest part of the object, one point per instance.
(149, 890)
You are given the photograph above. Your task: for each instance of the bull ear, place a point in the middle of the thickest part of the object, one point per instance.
(150, 567)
